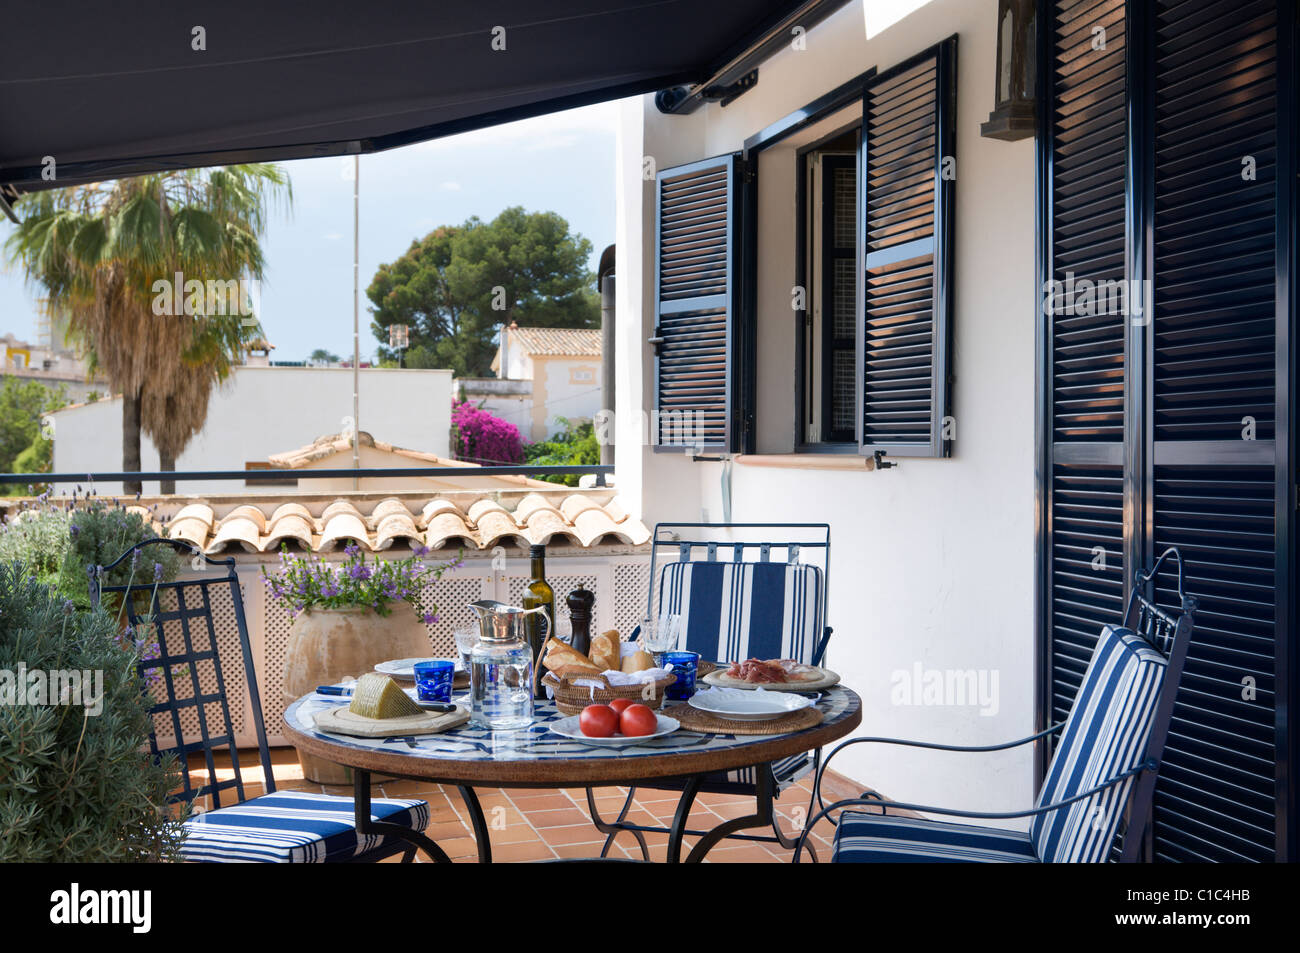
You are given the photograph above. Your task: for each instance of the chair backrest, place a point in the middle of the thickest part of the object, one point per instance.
(185, 627)
(740, 594)
(1119, 721)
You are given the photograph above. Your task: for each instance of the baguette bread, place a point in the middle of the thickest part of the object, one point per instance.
(605, 651)
(561, 656)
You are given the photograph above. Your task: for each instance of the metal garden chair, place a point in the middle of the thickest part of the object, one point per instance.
(1102, 772)
(739, 598)
(190, 688)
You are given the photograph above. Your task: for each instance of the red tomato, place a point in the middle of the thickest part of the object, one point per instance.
(637, 720)
(618, 704)
(598, 721)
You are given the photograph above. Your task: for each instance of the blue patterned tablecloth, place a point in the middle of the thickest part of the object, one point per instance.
(537, 742)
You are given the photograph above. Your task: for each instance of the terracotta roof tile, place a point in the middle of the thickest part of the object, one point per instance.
(561, 342)
(440, 522)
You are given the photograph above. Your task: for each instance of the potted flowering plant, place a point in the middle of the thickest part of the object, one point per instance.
(347, 617)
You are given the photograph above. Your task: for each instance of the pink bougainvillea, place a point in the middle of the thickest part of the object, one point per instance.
(478, 436)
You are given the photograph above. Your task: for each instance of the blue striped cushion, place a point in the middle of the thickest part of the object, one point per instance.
(734, 611)
(731, 612)
(1105, 735)
(889, 839)
(293, 827)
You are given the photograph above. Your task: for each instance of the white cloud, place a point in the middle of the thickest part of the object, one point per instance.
(450, 186)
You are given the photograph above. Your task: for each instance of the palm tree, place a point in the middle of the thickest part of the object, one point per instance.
(108, 256)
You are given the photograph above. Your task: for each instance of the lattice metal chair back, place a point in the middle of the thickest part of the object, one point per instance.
(1102, 774)
(745, 596)
(184, 640)
(182, 666)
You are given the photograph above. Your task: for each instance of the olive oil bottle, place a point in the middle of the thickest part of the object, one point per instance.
(540, 625)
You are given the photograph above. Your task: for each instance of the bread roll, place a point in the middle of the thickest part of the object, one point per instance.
(605, 652)
(639, 661)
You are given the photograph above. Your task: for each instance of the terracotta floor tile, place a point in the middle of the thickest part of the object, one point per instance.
(545, 802)
(533, 850)
(583, 850)
(458, 847)
(561, 818)
(577, 834)
(446, 831)
(746, 854)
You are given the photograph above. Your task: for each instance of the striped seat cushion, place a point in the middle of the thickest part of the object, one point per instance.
(734, 611)
(1105, 735)
(890, 839)
(293, 827)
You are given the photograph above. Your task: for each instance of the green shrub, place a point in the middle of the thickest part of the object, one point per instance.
(574, 446)
(56, 543)
(76, 786)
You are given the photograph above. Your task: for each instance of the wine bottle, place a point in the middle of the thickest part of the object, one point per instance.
(540, 625)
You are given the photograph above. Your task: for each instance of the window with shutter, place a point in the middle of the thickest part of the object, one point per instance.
(1162, 164)
(908, 156)
(695, 306)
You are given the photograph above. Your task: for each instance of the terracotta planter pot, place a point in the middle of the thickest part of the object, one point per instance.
(326, 645)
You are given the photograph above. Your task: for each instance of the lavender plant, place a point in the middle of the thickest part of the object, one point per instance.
(309, 582)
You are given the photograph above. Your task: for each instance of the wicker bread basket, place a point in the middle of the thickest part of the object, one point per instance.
(572, 699)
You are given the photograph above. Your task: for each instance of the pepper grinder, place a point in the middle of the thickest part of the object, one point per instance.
(580, 601)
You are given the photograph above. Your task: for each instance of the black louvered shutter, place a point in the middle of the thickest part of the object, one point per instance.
(1085, 351)
(695, 305)
(1212, 415)
(908, 153)
(1167, 427)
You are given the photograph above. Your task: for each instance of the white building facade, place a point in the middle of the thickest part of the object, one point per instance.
(262, 411)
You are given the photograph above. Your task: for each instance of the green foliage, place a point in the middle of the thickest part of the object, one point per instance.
(98, 534)
(444, 288)
(76, 786)
(322, 357)
(574, 446)
(22, 405)
(38, 539)
(56, 543)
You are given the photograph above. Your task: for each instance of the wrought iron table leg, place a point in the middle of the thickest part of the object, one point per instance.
(761, 818)
(691, 788)
(479, 823)
(361, 808)
(612, 830)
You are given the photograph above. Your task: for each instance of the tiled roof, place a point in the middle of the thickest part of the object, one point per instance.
(575, 518)
(331, 444)
(561, 342)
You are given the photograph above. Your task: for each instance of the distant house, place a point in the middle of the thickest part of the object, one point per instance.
(334, 451)
(542, 374)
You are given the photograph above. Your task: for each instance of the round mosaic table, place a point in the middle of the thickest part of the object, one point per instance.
(535, 757)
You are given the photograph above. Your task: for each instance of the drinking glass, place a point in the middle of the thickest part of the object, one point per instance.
(433, 680)
(684, 666)
(465, 640)
(660, 635)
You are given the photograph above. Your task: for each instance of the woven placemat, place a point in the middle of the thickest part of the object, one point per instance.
(693, 719)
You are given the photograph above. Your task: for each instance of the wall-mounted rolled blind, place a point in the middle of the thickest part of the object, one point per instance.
(695, 305)
(908, 156)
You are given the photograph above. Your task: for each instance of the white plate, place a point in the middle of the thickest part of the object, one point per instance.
(405, 667)
(568, 728)
(719, 678)
(749, 706)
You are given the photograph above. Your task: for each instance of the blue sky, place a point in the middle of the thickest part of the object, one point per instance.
(561, 163)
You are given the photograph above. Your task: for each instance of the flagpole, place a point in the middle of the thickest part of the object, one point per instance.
(356, 321)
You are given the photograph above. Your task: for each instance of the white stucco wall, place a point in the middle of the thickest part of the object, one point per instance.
(266, 410)
(933, 560)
